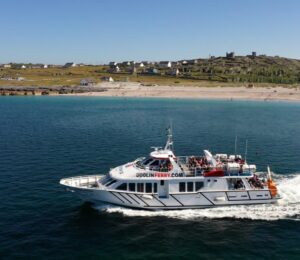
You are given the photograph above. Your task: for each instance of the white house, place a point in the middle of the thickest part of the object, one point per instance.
(7, 66)
(112, 63)
(173, 72)
(183, 62)
(114, 69)
(23, 67)
(192, 62)
(126, 63)
(139, 65)
(108, 79)
(45, 66)
(165, 64)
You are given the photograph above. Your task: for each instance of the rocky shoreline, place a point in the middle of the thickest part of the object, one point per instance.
(44, 91)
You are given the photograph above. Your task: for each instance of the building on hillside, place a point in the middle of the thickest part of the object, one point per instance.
(192, 62)
(112, 64)
(126, 63)
(252, 55)
(183, 62)
(108, 79)
(23, 67)
(146, 63)
(139, 65)
(152, 71)
(173, 72)
(132, 70)
(230, 55)
(35, 66)
(70, 65)
(165, 64)
(7, 66)
(114, 69)
(55, 66)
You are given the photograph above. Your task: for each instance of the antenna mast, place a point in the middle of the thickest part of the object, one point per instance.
(235, 144)
(246, 150)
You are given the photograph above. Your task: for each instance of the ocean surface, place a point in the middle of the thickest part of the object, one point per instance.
(43, 139)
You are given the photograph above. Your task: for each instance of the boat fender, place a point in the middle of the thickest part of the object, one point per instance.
(272, 187)
(219, 199)
(148, 197)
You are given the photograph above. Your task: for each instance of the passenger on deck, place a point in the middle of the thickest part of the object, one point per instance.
(241, 169)
(238, 184)
(255, 182)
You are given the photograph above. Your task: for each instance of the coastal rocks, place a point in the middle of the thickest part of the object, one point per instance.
(45, 91)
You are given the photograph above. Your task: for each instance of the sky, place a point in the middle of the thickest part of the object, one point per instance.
(99, 31)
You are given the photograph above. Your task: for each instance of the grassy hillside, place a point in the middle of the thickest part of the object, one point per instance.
(251, 69)
(219, 71)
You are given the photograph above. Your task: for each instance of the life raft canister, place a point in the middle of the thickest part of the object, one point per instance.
(214, 173)
(272, 187)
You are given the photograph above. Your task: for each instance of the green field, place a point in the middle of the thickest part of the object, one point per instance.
(220, 71)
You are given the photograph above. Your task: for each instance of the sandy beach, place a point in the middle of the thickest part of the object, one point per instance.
(128, 89)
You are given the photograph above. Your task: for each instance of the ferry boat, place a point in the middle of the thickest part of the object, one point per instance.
(164, 181)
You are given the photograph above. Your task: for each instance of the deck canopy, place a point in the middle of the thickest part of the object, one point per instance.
(162, 154)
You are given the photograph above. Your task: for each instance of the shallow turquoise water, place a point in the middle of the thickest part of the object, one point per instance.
(43, 139)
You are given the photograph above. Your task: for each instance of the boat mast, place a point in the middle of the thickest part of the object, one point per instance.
(235, 144)
(169, 144)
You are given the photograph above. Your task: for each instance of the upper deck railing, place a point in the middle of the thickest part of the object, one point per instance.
(193, 169)
(198, 170)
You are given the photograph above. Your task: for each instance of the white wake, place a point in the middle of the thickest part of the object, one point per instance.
(287, 208)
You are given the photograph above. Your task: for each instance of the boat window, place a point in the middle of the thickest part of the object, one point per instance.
(199, 185)
(123, 186)
(140, 187)
(155, 188)
(155, 163)
(181, 186)
(106, 180)
(190, 186)
(147, 161)
(110, 183)
(131, 186)
(148, 187)
(162, 183)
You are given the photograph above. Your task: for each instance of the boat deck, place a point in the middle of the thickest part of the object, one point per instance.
(88, 181)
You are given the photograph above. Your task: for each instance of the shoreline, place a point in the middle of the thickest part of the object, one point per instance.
(138, 90)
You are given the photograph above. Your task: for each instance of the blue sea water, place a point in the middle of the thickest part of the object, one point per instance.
(43, 139)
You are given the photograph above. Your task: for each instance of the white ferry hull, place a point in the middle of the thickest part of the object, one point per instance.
(163, 182)
(200, 199)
